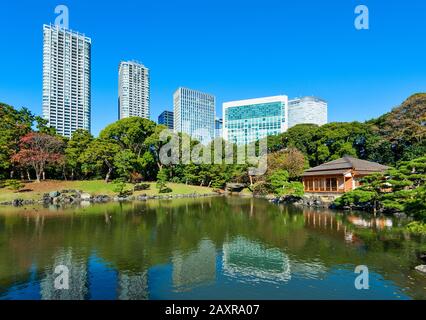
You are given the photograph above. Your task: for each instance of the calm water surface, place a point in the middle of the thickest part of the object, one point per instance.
(210, 248)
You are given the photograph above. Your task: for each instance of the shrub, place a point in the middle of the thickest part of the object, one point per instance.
(261, 188)
(165, 190)
(141, 186)
(416, 227)
(355, 197)
(13, 184)
(120, 187)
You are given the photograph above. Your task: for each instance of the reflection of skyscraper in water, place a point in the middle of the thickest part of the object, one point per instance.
(255, 261)
(78, 278)
(243, 257)
(133, 286)
(196, 268)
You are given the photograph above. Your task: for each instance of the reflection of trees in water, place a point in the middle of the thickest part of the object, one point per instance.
(133, 237)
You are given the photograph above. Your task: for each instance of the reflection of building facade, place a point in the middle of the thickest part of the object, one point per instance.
(339, 176)
(78, 279)
(195, 268)
(133, 286)
(242, 257)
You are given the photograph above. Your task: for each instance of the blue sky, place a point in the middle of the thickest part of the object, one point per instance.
(233, 49)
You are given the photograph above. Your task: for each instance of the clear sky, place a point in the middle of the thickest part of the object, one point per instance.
(230, 48)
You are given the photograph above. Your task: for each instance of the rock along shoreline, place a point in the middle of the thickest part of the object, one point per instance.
(64, 197)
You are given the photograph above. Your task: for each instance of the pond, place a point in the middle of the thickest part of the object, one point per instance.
(207, 248)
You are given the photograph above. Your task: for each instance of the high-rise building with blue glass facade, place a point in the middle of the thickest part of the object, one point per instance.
(218, 125)
(194, 114)
(166, 118)
(246, 121)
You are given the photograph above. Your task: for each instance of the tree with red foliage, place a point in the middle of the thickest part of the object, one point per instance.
(37, 150)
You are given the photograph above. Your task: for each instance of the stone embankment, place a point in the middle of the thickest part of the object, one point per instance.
(77, 196)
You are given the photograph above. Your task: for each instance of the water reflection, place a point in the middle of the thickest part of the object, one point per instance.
(212, 248)
(244, 258)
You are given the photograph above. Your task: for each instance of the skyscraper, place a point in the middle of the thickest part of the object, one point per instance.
(218, 124)
(246, 121)
(307, 110)
(66, 79)
(166, 118)
(133, 90)
(194, 113)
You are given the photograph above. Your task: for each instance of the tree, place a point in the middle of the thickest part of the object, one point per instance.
(278, 180)
(162, 181)
(291, 160)
(125, 162)
(38, 150)
(76, 146)
(99, 156)
(129, 133)
(14, 124)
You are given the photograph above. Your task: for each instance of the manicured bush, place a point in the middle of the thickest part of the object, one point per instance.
(141, 186)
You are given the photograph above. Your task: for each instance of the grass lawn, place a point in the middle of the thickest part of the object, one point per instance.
(35, 190)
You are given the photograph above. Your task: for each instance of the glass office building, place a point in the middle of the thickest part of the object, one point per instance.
(250, 120)
(66, 79)
(305, 110)
(218, 125)
(166, 118)
(194, 114)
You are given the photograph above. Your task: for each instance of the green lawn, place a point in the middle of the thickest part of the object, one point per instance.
(94, 187)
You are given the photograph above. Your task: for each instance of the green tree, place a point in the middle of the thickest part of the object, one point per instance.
(99, 157)
(76, 146)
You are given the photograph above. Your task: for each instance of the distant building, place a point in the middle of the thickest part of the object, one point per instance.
(194, 114)
(339, 176)
(307, 110)
(133, 90)
(246, 121)
(166, 118)
(66, 79)
(218, 124)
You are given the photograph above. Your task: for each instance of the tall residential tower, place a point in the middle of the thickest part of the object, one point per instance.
(66, 79)
(194, 114)
(133, 90)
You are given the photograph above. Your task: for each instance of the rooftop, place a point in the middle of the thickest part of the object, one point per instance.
(342, 165)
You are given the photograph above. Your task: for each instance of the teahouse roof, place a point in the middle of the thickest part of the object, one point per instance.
(344, 165)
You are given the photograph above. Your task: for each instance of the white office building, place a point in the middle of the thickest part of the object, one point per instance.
(133, 90)
(306, 110)
(194, 114)
(246, 121)
(66, 79)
